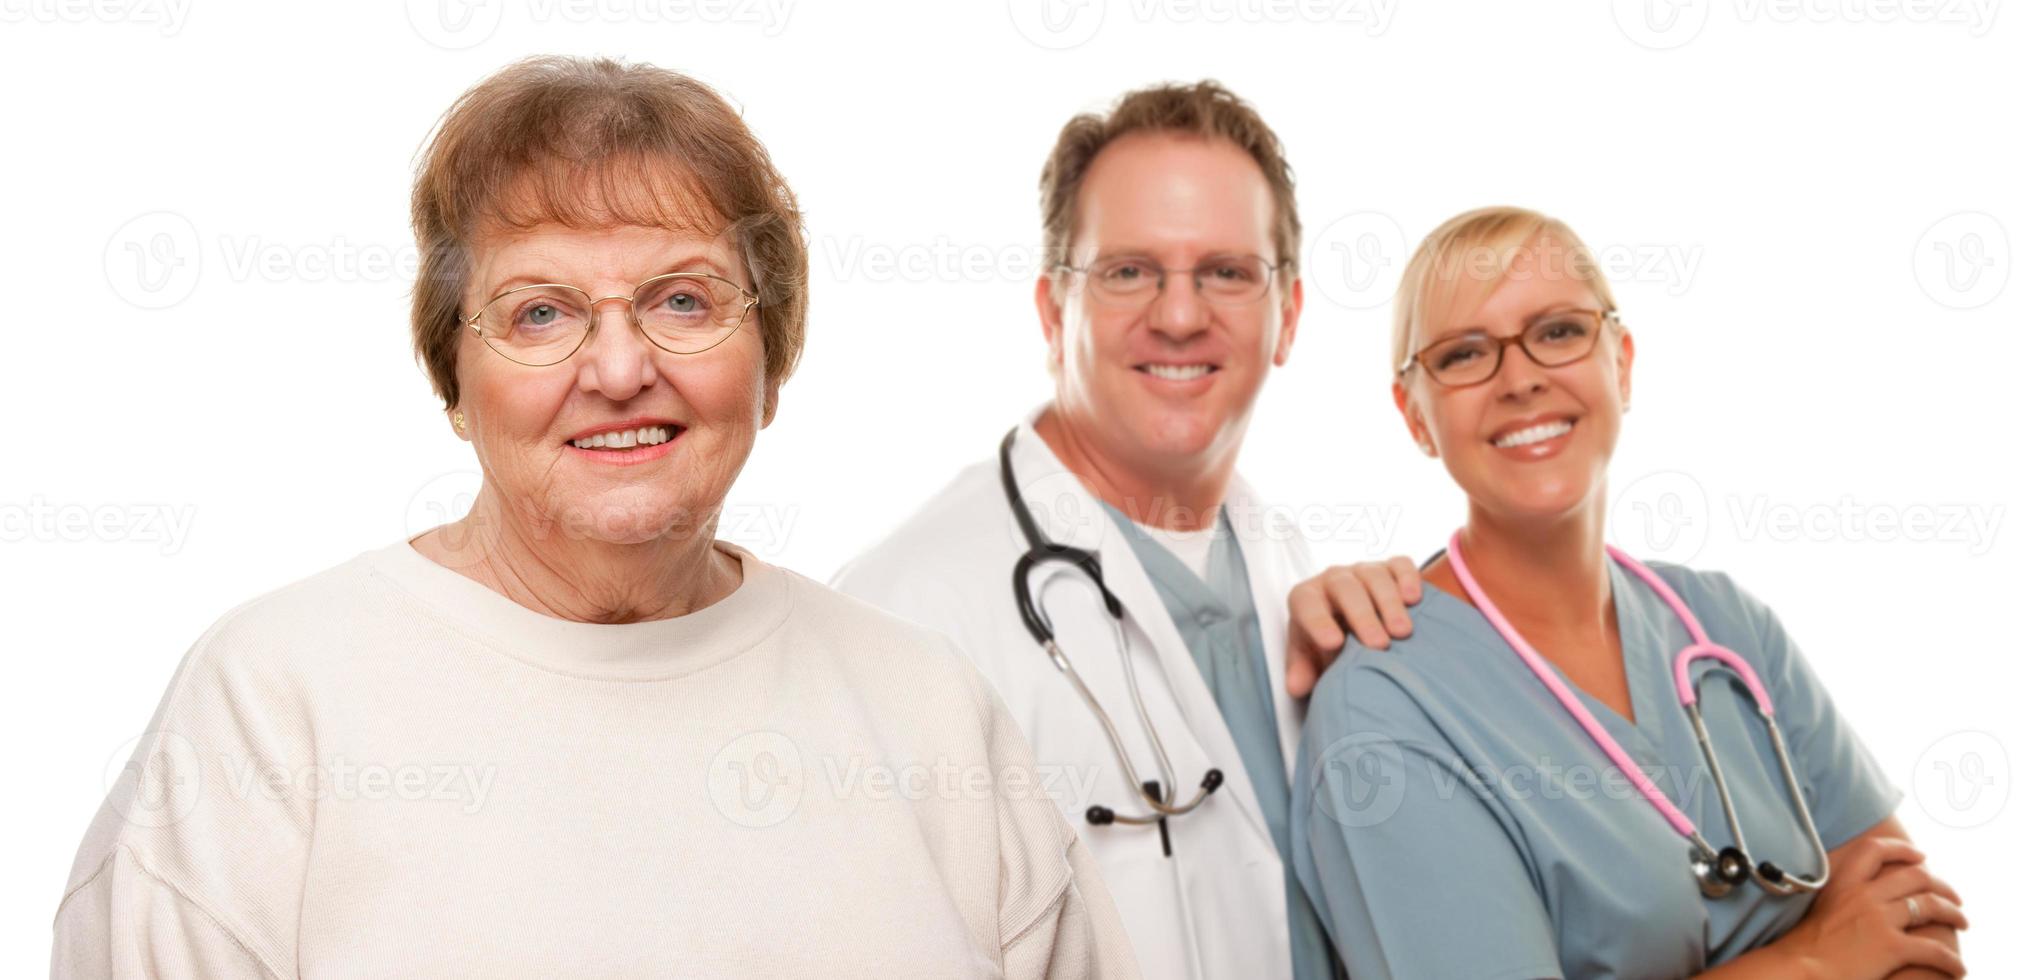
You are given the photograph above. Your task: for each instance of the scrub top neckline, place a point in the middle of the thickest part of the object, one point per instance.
(1647, 679)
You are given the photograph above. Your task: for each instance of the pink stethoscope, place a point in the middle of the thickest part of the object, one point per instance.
(1718, 871)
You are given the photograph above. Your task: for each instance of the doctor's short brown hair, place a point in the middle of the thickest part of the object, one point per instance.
(1204, 109)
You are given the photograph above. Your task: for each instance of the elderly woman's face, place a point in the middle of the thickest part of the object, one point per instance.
(524, 422)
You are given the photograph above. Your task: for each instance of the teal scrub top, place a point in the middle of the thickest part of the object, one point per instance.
(1454, 821)
(1217, 619)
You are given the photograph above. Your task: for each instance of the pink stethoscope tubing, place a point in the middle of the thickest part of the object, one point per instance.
(1718, 870)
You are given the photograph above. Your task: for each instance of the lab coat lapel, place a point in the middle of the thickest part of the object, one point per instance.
(1277, 558)
(1069, 514)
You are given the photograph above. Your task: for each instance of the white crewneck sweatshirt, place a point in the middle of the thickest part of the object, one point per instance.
(389, 770)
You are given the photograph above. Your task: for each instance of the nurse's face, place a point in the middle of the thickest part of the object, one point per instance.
(525, 422)
(1160, 383)
(1531, 443)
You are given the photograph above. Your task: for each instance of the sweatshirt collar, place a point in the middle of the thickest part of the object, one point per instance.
(660, 649)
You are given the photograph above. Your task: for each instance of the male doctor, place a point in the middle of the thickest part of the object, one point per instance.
(1175, 292)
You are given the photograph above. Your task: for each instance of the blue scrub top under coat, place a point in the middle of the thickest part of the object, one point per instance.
(1217, 619)
(1454, 821)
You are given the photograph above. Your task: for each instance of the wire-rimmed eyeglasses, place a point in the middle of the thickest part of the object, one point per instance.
(678, 312)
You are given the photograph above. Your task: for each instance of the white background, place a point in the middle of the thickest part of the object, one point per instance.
(1811, 212)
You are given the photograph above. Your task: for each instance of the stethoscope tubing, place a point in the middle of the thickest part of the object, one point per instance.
(1767, 874)
(1031, 610)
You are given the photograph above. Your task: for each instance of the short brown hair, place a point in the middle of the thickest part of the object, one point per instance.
(1203, 109)
(592, 143)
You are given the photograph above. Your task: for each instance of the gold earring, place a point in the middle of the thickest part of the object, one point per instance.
(458, 420)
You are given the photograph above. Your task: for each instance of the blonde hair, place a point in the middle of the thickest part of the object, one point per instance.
(1467, 258)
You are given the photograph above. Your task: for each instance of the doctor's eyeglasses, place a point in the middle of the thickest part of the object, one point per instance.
(1553, 339)
(680, 312)
(1132, 281)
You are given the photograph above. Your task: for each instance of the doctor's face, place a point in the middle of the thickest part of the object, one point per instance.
(1531, 443)
(1165, 382)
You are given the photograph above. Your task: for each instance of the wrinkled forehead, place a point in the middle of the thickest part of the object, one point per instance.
(611, 223)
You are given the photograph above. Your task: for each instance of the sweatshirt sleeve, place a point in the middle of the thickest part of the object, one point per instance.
(1056, 920)
(194, 863)
(1081, 935)
(125, 922)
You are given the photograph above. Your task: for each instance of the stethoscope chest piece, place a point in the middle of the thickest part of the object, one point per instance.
(1719, 873)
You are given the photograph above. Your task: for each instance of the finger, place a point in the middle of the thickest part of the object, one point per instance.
(1301, 673)
(1380, 583)
(1313, 633)
(1933, 953)
(1901, 881)
(1932, 909)
(1314, 621)
(1405, 571)
(1864, 858)
(1940, 886)
(1313, 616)
(1351, 603)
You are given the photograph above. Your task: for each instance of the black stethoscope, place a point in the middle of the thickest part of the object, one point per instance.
(1152, 793)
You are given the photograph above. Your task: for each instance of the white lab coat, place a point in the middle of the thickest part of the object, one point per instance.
(1216, 908)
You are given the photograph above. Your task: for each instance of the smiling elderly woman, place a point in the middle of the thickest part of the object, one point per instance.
(572, 734)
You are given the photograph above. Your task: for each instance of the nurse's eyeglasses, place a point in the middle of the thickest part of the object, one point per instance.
(1553, 339)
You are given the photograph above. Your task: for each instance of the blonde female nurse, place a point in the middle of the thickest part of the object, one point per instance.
(1455, 816)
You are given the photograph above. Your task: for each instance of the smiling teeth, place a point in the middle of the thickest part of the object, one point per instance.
(1177, 372)
(651, 435)
(1536, 433)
